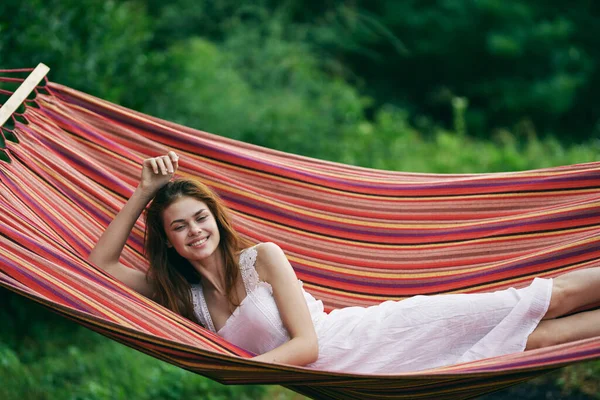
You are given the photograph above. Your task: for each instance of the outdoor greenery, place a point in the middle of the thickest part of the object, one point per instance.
(443, 86)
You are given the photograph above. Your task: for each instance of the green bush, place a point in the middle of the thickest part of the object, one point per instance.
(391, 143)
(260, 87)
(99, 47)
(45, 357)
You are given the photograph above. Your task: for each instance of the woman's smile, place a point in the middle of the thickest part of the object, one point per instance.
(199, 242)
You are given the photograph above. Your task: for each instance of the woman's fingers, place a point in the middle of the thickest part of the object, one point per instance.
(161, 165)
(168, 164)
(173, 156)
(154, 165)
(174, 160)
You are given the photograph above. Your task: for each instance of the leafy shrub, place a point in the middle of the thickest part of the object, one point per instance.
(261, 87)
(99, 47)
(45, 357)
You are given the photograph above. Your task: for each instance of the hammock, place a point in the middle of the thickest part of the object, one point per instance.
(355, 236)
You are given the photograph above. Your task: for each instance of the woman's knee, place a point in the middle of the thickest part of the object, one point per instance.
(547, 333)
(560, 303)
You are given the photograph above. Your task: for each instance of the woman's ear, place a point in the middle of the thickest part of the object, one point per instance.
(169, 245)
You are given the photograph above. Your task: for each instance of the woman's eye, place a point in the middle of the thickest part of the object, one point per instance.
(178, 228)
(201, 218)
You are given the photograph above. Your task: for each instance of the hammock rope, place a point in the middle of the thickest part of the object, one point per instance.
(355, 236)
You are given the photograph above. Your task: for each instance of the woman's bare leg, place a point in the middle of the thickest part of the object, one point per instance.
(574, 290)
(578, 326)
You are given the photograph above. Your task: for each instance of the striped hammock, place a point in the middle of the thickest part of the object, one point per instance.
(355, 236)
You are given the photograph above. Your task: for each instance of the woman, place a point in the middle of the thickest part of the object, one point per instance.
(200, 268)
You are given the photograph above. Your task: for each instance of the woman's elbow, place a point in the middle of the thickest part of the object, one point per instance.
(93, 257)
(312, 353)
(96, 258)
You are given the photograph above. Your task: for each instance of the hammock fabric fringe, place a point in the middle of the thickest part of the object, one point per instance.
(355, 236)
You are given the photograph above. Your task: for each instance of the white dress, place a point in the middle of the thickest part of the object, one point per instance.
(395, 336)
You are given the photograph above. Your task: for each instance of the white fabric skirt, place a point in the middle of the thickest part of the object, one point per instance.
(425, 332)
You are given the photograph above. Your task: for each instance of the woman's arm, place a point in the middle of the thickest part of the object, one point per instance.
(156, 172)
(303, 347)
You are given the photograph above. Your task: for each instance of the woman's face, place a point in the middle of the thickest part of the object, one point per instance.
(191, 229)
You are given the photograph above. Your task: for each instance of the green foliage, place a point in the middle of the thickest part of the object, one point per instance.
(261, 87)
(106, 370)
(263, 83)
(583, 377)
(44, 357)
(209, 94)
(513, 60)
(391, 143)
(99, 47)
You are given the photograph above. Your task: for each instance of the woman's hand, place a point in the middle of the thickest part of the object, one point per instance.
(157, 171)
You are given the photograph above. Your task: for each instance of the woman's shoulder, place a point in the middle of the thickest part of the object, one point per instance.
(263, 250)
(268, 251)
(267, 257)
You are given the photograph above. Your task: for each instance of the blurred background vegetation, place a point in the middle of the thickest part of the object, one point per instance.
(414, 85)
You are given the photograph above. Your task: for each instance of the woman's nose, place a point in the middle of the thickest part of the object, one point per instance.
(194, 229)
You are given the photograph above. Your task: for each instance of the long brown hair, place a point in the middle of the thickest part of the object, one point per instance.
(172, 274)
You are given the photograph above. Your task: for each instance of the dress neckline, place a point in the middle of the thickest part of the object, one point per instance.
(249, 276)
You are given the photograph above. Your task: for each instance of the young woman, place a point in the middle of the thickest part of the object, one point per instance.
(201, 269)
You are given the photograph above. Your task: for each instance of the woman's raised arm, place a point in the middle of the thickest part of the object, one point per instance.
(156, 172)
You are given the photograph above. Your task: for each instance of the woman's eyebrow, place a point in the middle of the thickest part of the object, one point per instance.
(183, 220)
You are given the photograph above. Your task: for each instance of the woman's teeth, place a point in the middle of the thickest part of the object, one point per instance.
(198, 242)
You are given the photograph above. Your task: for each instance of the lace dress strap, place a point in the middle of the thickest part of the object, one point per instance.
(201, 309)
(247, 269)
